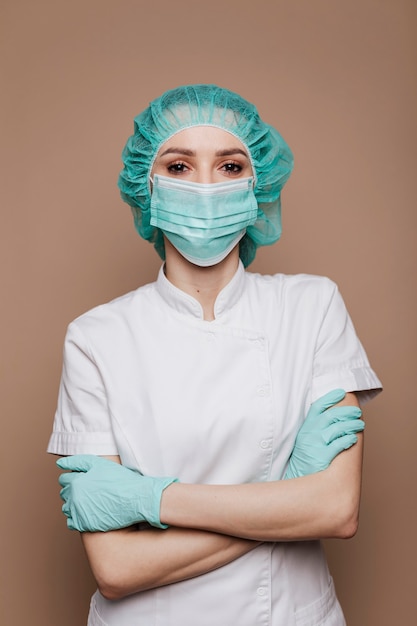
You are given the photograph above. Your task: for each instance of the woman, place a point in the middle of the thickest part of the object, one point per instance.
(207, 386)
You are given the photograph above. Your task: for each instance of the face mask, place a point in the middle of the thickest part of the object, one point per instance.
(204, 222)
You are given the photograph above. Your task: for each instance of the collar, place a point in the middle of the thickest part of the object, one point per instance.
(187, 305)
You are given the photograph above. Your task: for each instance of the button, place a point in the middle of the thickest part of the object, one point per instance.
(264, 444)
(263, 391)
(210, 336)
(261, 591)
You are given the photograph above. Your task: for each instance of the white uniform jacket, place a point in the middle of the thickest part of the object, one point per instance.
(145, 377)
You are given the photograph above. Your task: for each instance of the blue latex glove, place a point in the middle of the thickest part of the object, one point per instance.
(325, 433)
(100, 495)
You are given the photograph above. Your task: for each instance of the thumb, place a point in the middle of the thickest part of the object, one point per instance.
(78, 462)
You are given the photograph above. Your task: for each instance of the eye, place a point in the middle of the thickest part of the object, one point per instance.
(177, 168)
(232, 167)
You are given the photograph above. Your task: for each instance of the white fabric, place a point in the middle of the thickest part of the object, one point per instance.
(147, 378)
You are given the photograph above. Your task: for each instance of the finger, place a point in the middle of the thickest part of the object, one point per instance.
(65, 493)
(341, 414)
(67, 478)
(339, 429)
(70, 524)
(340, 444)
(328, 400)
(66, 509)
(78, 462)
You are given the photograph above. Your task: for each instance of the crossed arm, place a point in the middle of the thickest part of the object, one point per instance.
(212, 525)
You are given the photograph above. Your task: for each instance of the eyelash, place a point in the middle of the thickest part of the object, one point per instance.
(173, 167)
(179, 167)
(235, 168)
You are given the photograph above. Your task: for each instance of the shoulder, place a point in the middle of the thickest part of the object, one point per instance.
(108, 318)
(293, 287)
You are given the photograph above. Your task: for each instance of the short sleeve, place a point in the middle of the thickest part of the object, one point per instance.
(340, 360)
(82, 422)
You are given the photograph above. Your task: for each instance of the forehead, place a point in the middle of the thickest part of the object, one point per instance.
(199, 138)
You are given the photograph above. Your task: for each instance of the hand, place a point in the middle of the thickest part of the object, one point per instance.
(100, 495)
(325, 433)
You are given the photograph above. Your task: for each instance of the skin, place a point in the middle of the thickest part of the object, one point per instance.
(212, 525)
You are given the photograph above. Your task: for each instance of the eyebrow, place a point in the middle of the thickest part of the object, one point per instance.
(191, 153)
(231, 152)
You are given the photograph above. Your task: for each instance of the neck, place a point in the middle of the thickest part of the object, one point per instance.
(203, 283)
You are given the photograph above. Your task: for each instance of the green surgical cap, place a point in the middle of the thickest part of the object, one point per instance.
(207, 105)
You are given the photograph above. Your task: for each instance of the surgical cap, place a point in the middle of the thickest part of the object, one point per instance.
(207, 105)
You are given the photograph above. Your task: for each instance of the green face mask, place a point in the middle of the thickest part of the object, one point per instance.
(204, 222)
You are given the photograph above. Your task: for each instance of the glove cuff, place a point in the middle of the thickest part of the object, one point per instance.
(159, 485)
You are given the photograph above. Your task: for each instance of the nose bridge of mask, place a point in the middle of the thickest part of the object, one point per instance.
(209, 189)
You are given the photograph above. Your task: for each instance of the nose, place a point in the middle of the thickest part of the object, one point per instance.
(205, 174)
(205, 179)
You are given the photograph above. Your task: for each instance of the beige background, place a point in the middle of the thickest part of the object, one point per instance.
(339, 80)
